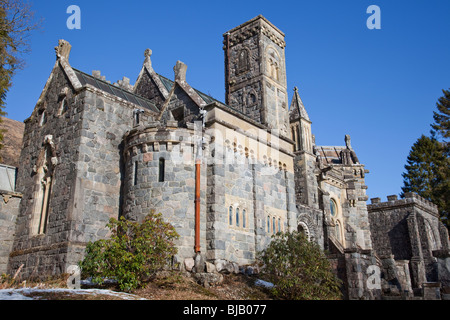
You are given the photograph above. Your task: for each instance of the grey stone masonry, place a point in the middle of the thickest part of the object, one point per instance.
(72, 141)
(410, 230)
(255, 73)
(160, 176)
(9, 210)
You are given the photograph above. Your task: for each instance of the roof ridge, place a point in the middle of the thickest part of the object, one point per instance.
(110, 84)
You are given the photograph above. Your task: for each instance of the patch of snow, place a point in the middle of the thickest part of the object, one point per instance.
(263, 283)
(19, 294)
(11, 294)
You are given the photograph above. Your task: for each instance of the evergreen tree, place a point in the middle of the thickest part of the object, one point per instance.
(428, 172)
(441, 125)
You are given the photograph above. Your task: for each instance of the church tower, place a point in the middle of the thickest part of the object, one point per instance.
(255, 73)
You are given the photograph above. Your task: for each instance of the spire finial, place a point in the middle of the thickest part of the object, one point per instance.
(148, 54)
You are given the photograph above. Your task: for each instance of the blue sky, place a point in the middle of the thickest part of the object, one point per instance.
(379, 86)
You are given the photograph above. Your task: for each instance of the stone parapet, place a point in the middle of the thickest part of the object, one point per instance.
(409, 200)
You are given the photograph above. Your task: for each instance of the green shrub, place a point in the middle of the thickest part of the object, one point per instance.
(135, 252)
(299, 269)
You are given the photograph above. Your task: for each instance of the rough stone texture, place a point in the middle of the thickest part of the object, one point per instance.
(9, 210)
(86, 178)
(174, 197)
(408, 233)
(255, 68)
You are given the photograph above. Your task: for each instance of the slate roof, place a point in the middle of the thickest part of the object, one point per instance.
(85, 78)
(169, 84)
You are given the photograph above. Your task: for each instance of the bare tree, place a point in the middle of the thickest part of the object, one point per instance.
(16, 23)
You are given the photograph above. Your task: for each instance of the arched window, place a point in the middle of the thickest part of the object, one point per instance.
(268, 224)
(333, 208)
(63, 106)
(274, 230)
(279, 224)
(162, 168)
(243, 64)
(44, 181)
(237, 217)
(230, 215)
(244, 218)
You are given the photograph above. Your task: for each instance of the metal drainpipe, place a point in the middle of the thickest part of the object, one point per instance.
(227, 71)
(197, 204)
(198, 162)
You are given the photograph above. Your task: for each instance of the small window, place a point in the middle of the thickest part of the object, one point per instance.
(230, 215)
(243, 61)
(237, 217)
(244, 218)
(162, 165)
(137, 117)
(279, 224)
(268, 224)
(333, 208)
(135, 173)
(273, 225)
(43, 119)
(64, 106)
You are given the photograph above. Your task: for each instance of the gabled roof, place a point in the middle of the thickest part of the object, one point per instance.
(297, 109)
(85, 78)
(168, 84)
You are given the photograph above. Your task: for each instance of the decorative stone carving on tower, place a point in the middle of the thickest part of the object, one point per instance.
(255, 73)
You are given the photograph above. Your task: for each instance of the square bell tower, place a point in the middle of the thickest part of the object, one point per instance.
(255, 73)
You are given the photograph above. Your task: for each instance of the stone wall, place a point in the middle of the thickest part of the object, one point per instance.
(83, 138)
(64, 128)
(174, 196)
(9, 210)
(266, 193)
(408, 230)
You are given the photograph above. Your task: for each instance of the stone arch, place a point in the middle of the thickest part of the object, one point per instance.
(243, 60)
(273, 63)
(44, 172)
(303, 228)
(306, 224)
(252, 98)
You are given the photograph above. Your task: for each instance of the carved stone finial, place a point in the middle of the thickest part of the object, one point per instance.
(348, 141)
(295, 89)
(63, 49)
(180, 71)
(147, 55)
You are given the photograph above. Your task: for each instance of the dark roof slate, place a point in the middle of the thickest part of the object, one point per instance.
(85, 78)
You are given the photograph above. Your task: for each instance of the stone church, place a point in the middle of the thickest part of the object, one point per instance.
(228, 175)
